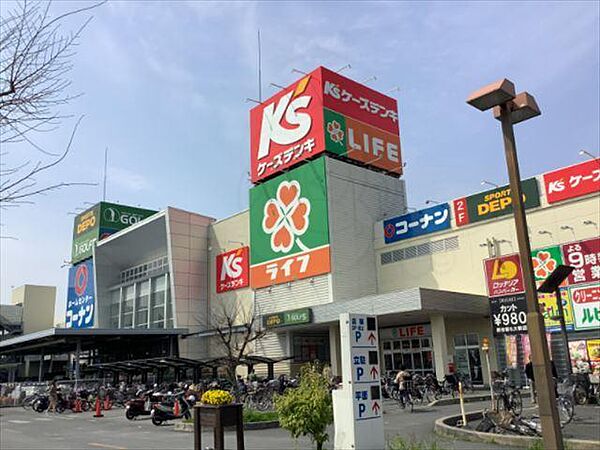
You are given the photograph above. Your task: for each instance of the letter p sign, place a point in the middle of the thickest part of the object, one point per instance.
(361, 409)
(357, 336)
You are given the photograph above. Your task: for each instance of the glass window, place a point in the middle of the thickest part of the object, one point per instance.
(158, 313)
(397, 345)
(405, 344)
(425, 343)
(387, 358)
(397, 361)
(311, 348)
(407, 361)
(141, 318)
(127, 321)
(415, 343)
(160, 324)
(459, 340)
(387, 345)
(427, 360)
(473, 339)
(418, 362)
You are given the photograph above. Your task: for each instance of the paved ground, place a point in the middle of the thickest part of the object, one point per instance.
(20, 429)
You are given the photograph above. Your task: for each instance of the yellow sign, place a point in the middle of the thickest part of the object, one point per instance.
(593, 348)
(504, 270)
(549, 309)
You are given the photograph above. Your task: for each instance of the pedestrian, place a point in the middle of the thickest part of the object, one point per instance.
(529, 375)
(52, 396)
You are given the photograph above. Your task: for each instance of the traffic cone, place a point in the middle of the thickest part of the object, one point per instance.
(107, 404)
(98, 408)
(176, 408)
(77, 406)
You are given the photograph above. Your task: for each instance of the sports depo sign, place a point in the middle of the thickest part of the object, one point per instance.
(324, 111)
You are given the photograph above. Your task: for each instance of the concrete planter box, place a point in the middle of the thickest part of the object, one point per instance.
(189, 427)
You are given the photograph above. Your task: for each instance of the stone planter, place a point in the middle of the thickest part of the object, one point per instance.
(218, 417)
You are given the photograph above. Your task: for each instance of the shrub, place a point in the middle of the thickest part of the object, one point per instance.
(399, 443)
(307, 410)
(216, 397)
(252, 415)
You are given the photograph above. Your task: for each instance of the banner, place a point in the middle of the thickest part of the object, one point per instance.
(493, 203)
(586, 307)
(417, 223)
(508, 314)
(573, 181)
(549, 309)
(585, 257)
(233, 270)
(289, 226)
(80, 296)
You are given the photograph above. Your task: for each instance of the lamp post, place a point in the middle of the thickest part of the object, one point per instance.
(552, 285)
(511, 108)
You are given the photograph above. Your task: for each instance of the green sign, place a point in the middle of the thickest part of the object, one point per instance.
(545, 260)
(289, 226)
(287, 318)
(100, 221)
(494, 203)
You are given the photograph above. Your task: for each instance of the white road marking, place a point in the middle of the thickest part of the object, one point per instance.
(19, 421)
(96, 444)
(44, 419)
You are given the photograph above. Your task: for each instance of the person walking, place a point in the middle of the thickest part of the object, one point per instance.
(403, 378)
(530, 379)
(52, 396)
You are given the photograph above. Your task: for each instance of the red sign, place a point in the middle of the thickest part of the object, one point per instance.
(585, 257)
(81, 279)
(461, 214)
(359, 102)
(573, 181)
(504, 275)
(233, 270)
(289, 127)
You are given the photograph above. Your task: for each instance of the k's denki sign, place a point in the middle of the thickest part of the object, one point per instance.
(80, 296)
(324, 111)
(425, 221)
(573, 181)
(233, 270)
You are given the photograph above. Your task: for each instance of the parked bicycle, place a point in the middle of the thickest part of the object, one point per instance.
(508, 396)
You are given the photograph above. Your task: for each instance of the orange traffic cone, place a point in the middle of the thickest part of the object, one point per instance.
(77, 406)
(98, 408)
(176, 408)
(107, 404)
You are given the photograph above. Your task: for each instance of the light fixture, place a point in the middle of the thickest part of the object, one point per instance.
(522, 108)
(590, 222)
(366, 80)
(299, 71)
(544, 232)
(394, 89)
(276, 85)
(484, 182)
(236, 242)
(248, 99)
(493, 94)
(428, 202)
(566, 227)
(586, 153)
(409, 208)
(347, 66)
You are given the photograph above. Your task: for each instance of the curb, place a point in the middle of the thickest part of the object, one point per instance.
(189, 427)
(445, 426)
(456, 400)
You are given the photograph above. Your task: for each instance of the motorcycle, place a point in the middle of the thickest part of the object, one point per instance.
(161, 412)
(142, 404)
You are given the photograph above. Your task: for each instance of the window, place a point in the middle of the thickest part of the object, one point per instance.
(309, 348)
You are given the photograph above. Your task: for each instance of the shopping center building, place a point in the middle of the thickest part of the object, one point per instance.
(327, 232)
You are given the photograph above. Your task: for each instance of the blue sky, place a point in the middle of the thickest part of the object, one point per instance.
(165, 84)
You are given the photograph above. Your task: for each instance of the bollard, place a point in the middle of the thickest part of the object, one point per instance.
(462, 404)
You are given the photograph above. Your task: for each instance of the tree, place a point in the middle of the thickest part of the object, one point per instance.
(35, 60)
(236, 329)
(308, 409)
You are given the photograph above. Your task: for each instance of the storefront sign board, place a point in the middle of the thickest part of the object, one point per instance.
(573, 181)
(233, 270)
(584, 256)
(287, 318)
(504, 275)
(508, 314)
(493, 203)
(289, 226)
(549, 309)
(81, 296)
(417, 223)
(406, 331)
(586, 307)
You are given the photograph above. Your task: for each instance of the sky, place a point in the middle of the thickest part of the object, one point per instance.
(164, 88)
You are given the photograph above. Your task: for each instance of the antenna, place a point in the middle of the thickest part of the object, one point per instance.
(259, 71)
(105, 166)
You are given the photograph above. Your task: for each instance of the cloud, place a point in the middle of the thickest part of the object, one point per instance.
(127, 179)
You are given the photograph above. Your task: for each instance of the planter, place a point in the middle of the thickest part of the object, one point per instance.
(218, 417)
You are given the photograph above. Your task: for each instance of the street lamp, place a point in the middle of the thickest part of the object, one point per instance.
(552, 285)
(511, 108)
(586, 153)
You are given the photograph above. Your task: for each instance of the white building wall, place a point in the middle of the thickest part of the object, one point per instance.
(357, 199)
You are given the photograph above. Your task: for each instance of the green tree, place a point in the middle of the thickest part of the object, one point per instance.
(308, 409)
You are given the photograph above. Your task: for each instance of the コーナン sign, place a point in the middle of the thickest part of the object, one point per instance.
(80, 296)
(417, 223)
(324, 111)
(233, 270)
(493, 203)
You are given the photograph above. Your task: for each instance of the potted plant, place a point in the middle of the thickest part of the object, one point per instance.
(217, 410)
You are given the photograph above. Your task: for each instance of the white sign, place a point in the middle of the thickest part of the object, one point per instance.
(361, 391)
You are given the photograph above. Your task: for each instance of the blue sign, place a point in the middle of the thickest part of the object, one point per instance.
(417, 223)
(80, 296)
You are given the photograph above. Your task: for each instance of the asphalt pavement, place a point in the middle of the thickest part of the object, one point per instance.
(20, 429)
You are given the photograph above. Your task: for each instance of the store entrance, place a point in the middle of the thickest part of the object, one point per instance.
(409, 347)
(467, 358)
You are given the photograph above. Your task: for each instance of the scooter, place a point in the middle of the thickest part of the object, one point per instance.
(161, 412)
(141, 405)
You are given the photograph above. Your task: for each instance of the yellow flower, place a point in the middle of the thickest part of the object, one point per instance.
(217, 397)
